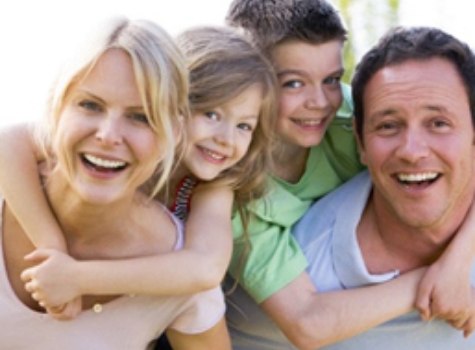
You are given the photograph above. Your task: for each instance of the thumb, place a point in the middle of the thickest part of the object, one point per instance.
(422, 302)
(38, 255)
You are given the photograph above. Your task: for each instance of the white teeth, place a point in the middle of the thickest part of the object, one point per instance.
(104, 163)
(212, 154)
(309, 122)
(417, 177)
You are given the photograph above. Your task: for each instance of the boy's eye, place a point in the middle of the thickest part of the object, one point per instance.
(140, 117)
(292, 84)
(333, 80)
(211, 115)
(90, 105)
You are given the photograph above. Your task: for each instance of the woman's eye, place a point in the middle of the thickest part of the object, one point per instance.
(90, 105)
(140, 117)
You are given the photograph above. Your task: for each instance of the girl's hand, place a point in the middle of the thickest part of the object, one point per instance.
(66, 311)
(52, 282)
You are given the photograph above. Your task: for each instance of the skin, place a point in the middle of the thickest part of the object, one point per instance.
(418, 146)
(103, 123)
(100, 102)
(303, 89)
(220, 138)
(310, 95)
(227, 129)
(418, 126)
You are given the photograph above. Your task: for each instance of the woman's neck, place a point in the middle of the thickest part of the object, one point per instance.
(85, 222)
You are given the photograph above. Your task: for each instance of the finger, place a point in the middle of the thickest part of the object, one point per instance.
(36, 296)
(37, 255)
(423, 306)
(27, 274)
(29, 287)
(458, 323)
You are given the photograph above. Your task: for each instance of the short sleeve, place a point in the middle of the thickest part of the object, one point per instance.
(273, 257)
(200, 312)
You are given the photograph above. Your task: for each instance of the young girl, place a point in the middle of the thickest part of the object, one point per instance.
(231, 97)
(316, 153)
(107, 132)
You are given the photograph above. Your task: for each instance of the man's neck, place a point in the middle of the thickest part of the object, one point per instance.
(387, 244)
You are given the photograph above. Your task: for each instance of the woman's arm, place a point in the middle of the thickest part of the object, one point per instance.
(20, 185)
(201, 265)
(214, 338)
(313, 319)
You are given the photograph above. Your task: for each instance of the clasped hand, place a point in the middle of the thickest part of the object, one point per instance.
(51, 282)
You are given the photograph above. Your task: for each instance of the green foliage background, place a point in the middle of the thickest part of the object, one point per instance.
(375, 17)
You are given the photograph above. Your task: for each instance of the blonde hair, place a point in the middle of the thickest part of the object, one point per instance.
(222, 64)
(161, 77)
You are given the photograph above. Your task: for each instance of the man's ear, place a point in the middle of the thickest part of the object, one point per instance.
(359, 143)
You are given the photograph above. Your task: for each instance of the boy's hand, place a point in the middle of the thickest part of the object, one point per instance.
(445, 292)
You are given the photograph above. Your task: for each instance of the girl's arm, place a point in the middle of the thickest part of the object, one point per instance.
(313, 319)
(199, 266)
(445, 290)
(20, 186)
(214, 338)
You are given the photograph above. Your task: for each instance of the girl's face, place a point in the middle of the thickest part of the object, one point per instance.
(220, 138)
(310, 94)
(104, 143)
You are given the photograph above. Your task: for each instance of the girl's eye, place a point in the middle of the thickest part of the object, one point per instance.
(245, 126)
(292, 84)
(211, 115)
(90, 105)
(140, 117)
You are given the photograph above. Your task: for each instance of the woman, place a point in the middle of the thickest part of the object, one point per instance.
(108, 132)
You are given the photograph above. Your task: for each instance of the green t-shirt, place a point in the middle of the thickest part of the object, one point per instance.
(275, 258)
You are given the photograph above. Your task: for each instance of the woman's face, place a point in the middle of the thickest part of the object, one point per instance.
(310, 94)
(104, 143)
(220, 138)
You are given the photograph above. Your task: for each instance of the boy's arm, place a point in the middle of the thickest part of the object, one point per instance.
(445, 289)
(312, 319)
(214, 338)
(20, 185)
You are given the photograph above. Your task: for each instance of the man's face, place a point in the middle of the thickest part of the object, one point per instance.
(418, 143)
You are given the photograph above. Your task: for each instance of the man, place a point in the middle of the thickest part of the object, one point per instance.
(414, 96)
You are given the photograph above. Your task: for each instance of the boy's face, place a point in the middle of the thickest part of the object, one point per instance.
(310, 94)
